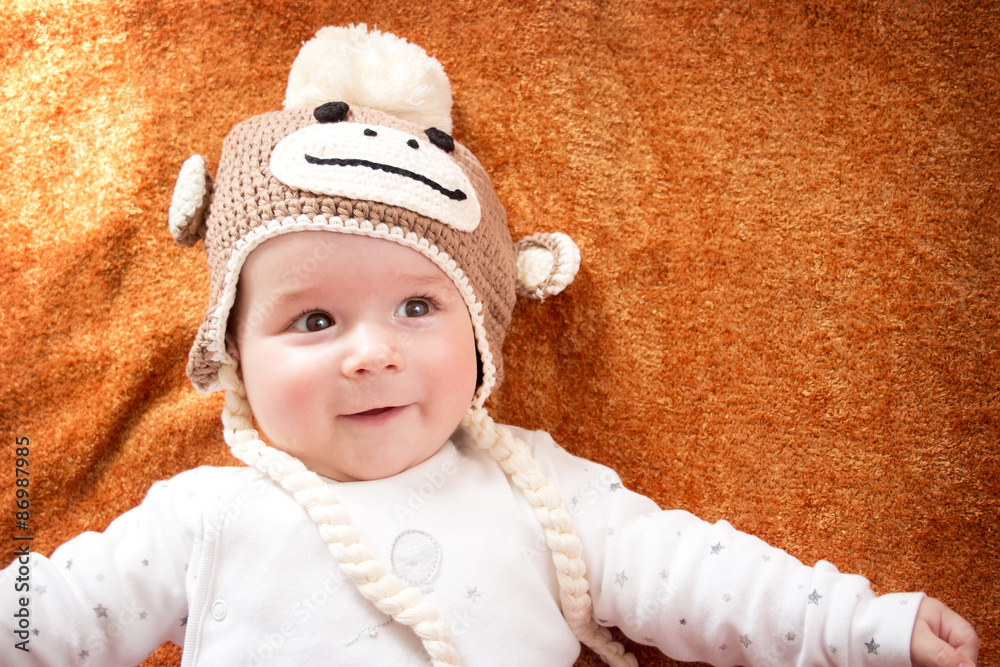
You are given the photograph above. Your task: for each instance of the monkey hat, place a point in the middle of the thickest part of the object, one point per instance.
(363, 147)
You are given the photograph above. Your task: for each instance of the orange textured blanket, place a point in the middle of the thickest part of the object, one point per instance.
(787, 311)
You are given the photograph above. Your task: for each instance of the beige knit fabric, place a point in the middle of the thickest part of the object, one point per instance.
(246, 198)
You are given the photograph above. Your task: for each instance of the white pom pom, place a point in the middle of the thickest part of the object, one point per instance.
(371, 69)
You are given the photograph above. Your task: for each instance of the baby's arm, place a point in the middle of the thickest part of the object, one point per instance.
(709, 593)
(105, 598)
(942, 638)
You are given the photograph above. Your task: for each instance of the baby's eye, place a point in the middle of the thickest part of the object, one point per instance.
(313, 322)
(414, 308)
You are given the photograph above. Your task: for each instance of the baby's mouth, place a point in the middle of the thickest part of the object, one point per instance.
(368, 416)
(373, 412)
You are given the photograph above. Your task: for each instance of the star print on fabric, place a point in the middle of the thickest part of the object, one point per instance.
(145, 562)
(684, 621)
(664, 574)
(620, 579)
(370, 632)
(616, 486)
(718, 548)
(745, 640)
(574, 501)
(84, 655)
(101, 610)
(602, 621)
(767, 559)
(831, 648)
(472, 593)
(69, 563)
(723, 647)
(184, 621)
(790, 636)
(99, 577)
(142, 615)
(872, 646)
(35, 632)
(649, 640)
(727, 598)
(814, 598)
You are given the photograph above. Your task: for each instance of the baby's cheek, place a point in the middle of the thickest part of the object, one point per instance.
(274, 385)
(455, 363)
(299, 381)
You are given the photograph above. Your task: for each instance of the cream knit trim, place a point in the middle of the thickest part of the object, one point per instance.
(227, 297)
(386, 591)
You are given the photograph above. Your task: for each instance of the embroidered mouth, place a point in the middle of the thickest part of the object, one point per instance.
(455, 195)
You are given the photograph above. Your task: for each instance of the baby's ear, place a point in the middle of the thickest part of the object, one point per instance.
(231, 348)
(187, 208)
(546, 264)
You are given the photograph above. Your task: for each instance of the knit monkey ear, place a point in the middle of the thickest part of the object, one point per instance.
(546, 264)
(187, 208)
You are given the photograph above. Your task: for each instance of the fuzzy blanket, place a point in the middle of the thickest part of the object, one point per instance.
(787, 313)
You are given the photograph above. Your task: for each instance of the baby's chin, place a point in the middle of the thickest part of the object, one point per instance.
(368, 472)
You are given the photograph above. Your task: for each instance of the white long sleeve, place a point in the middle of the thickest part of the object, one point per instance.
(107, 598)
(228, 565)
(709, 593)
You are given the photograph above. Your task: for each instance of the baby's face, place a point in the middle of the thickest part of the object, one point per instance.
(357, 354)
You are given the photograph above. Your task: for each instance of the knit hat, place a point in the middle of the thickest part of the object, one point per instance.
(363, 147)
(341, 166)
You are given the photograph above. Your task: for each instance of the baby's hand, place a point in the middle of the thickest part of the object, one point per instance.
(942, 638)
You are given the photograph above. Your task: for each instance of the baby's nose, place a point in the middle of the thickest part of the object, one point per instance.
(373, 352)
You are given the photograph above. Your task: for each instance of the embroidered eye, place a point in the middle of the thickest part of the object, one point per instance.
(315, 321)
(414, 308)
(440, 139)
(412, 143)
(370, 132)
(331, 112)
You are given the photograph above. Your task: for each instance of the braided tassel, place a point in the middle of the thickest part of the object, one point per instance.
(517, 462)
(386, 591)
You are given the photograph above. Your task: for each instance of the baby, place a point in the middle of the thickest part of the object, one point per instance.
(362, 280)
